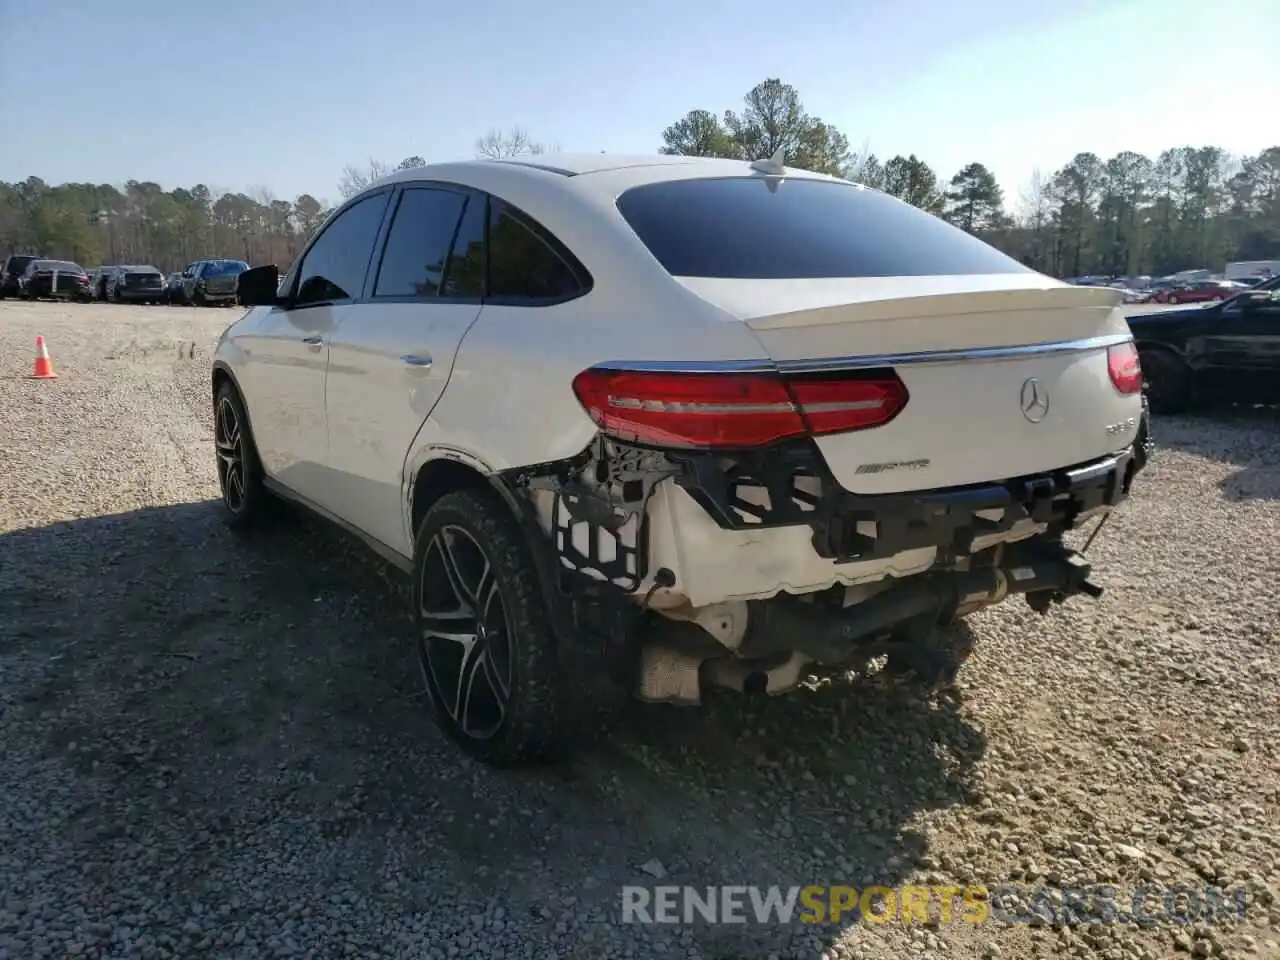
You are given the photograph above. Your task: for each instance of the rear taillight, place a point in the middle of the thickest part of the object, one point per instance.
(733, 410)
(1125, 367)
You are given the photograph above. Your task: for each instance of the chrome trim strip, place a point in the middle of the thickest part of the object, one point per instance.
(1049, 348)
(689, 366)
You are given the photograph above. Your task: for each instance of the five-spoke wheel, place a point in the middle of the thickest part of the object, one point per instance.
(465, 638)
(489, 658)
(239, 475)
(230, 445)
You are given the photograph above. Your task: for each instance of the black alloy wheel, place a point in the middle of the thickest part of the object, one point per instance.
(239, 471)
(465, 647)
(485, 647)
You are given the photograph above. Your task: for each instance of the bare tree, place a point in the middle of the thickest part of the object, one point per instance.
(1035, 204)
(515, 142)
(354, 179)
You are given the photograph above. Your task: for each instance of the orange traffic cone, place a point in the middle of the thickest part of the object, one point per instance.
(44, 366)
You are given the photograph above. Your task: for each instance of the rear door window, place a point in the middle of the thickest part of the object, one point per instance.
(416, 256)
(767, 229)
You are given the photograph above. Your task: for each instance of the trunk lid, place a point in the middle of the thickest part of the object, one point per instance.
(973, 351)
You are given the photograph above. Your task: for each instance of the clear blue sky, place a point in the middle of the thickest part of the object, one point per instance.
(284, 93)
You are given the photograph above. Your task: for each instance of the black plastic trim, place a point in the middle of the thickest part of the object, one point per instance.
(948, 518)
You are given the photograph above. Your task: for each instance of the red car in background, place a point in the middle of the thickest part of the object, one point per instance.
(1200, 291)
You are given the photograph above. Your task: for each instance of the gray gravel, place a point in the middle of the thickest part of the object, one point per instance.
(212, 746)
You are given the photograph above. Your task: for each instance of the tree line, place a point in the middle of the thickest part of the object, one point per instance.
(1126, 215)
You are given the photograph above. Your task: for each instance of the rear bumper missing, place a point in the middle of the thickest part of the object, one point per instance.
(849, 527)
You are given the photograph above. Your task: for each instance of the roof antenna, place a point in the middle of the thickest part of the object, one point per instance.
(773, 165)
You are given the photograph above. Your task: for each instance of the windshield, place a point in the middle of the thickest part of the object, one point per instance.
(750, 228)
(223, 268)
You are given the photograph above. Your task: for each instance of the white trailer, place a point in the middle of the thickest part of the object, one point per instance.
(1252, 268)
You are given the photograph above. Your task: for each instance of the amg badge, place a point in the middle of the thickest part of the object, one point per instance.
(893, 465)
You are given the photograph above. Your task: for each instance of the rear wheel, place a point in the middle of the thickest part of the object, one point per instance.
(1166, 379)
(244, 497)
(485, 645)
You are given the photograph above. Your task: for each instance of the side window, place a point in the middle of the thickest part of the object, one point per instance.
(334, 267)
(418, 244)
(466, 262)
(522, 264)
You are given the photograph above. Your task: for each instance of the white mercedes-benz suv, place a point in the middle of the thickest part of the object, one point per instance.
(636, 425)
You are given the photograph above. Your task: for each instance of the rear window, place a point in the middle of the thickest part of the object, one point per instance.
(753, 228)
(61, 265)
(220, 268)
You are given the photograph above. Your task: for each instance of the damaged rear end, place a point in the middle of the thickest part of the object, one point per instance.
(914, 448)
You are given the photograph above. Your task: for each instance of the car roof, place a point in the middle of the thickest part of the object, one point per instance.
(583, 170)
(574, 197)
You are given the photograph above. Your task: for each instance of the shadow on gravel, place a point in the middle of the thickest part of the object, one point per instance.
(239, 699)
(1238, 435)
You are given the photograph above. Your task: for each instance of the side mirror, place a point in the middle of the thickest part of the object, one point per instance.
(259, 287)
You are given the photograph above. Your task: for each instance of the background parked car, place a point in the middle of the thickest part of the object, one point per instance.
(206, 282)
(98, 281)
(54, 278)
(173, 289)
(135, 283)
(14, 266)
(1198, 291)
(1224, 352)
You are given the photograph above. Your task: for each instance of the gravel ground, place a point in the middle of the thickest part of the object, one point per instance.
(212, 746)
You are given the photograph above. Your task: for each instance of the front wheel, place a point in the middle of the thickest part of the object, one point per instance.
(485, 645)
(1171, 299)
(244, 497)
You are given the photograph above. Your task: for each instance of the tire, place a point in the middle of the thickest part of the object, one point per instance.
(470, 555)
(246, 503)
(1172, 299)
(198, 300)
(1167, 381)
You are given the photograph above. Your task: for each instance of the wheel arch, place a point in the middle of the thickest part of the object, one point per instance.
(222, 374)
(1146, 343)
(448, 473)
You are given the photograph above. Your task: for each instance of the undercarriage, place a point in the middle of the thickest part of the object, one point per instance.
(678, 570)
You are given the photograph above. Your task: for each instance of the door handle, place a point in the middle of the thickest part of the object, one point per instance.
(313, 341)
(417, 359)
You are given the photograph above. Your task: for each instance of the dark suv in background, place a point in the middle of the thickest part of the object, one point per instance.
(54, 278)
(135, 284)
(206, 282)
(14, 266)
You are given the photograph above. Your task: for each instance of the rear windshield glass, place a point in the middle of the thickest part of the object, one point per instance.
(219, 268)
(752, 228)
(58, 265)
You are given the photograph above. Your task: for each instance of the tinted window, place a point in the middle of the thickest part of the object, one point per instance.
(334, 267)
(222, 268)
(465, 277)
(752, 228)
(59, 265)
(522, 264)
(417, 251)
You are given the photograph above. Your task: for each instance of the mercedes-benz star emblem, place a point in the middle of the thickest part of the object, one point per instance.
(1035, 400)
